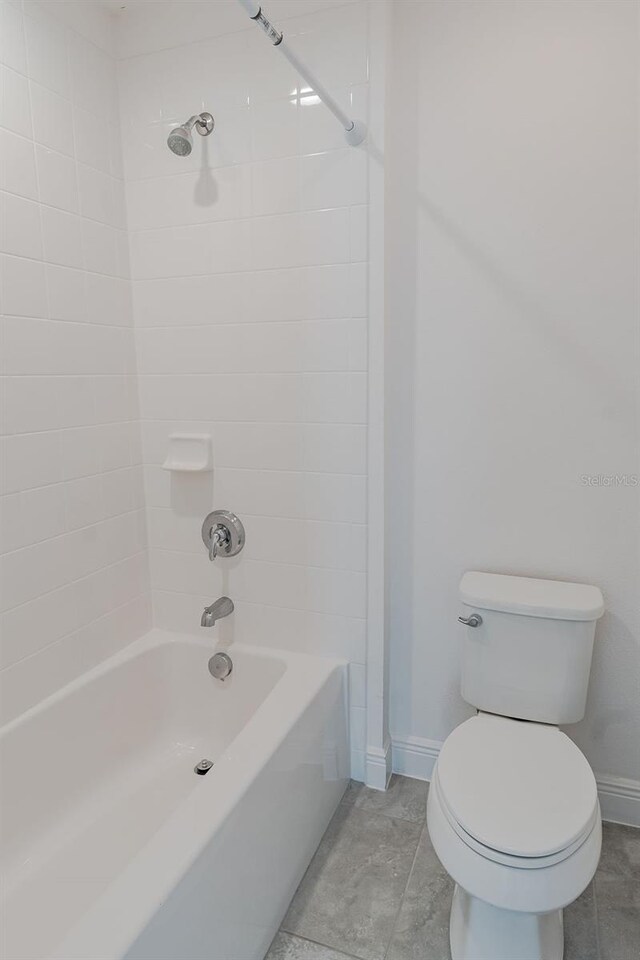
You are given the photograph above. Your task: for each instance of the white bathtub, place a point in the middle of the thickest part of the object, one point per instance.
(112, 847)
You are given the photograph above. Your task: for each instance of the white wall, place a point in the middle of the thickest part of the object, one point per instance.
(73, 565)
(513, 337)
(249, 279)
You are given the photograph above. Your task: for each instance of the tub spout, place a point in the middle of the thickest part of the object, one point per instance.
(218, 609)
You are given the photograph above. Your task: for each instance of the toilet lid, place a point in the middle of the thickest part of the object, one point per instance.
(521, 788)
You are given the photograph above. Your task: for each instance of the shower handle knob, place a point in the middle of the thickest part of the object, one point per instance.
(475, 620)
(222, 534)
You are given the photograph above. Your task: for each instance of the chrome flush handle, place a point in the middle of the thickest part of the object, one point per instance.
(474, 620)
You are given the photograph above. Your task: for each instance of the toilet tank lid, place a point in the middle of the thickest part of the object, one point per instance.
(555, 599)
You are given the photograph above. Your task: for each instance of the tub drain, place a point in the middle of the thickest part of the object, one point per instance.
(203, 767)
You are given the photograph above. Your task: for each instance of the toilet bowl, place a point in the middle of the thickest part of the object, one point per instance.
(513, 810)
(513, 816)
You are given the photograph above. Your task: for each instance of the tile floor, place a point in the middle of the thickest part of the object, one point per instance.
(375, 889)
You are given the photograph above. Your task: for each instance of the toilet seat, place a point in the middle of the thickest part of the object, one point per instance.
(516, 792)
(525, 863)
(507, 882)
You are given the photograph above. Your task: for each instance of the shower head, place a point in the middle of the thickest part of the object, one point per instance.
(180, 140)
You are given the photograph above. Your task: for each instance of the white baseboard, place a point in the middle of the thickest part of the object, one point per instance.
(619, 798)
(378, 766)
(415, 757)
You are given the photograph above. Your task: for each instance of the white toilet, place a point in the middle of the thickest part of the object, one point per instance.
(513, 809)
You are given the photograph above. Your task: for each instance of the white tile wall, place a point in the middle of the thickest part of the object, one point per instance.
(249, 274)
(248, 266)
(73, 562)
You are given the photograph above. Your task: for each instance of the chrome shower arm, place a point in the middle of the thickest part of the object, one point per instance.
(203, 122)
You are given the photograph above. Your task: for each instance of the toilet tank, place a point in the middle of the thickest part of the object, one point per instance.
(530, 656)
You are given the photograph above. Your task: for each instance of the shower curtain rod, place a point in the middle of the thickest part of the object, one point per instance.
(354, 130)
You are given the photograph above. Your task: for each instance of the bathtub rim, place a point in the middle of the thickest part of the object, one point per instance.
(159, 865)
(154, 637)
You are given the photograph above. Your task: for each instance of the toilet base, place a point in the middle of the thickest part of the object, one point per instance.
(480, 931)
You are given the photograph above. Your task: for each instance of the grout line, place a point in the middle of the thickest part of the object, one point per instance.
(214, 324)
(241, 272)
(107, 471)
(232, 423)
(250, 217)
(344, 264)
(268, 516)
(246, 29)
(69, 266)
(160, 329)
(188, 420)
(89, 375)
(274, 563)
(236, 373)
(43, 15)
(71, 583)
(213, 275)
(47, 290)
(71, 633)
(69, 533)
(322, 473)
(271, 606)
(257, 373)
(72, 213)
(320, 943)
(596, 918)
(55, 263)
(255, 603)
(240, 324)
(119, 373)
(247, 162)
(384, 813)
(79, 323)
(404, 892)
(240, 218)
(187, 374)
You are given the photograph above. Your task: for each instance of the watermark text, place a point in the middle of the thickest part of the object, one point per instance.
(610, 480)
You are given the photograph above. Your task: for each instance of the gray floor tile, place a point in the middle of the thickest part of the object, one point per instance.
(404, 799)
(287, 947)
(580, 928)
(618, 910)
(422, 928)
(620, 851)
(351, 893)
(353, 791)
(355, 900)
